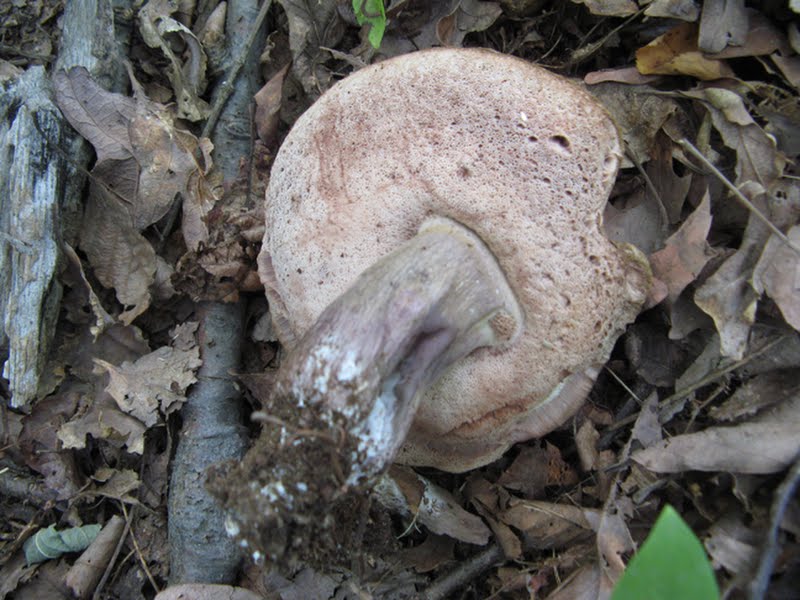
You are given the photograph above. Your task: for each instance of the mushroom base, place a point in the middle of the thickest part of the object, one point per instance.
(345, 399)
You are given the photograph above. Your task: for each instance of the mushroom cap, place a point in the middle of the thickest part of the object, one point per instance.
(524, 158)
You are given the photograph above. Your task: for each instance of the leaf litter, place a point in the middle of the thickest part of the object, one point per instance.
(702, 406)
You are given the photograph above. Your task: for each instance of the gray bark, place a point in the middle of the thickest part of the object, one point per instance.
(41, 166)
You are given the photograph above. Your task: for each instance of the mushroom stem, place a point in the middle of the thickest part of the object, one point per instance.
(345, 398)
(401, 324)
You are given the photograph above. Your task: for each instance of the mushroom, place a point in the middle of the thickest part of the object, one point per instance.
(436, 267)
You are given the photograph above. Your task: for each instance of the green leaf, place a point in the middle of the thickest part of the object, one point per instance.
(670, 564)
(49, 543)
(374, 13)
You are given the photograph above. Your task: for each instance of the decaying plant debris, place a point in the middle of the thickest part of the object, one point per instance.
(698, 406)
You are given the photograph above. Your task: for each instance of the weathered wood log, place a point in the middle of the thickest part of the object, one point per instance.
(41, 166)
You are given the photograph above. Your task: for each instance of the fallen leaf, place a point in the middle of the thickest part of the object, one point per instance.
(778, 274)
(154, 383)
(208, 591)
(610, 8)
(685, 252)
(188, 79)
(732, 545)
(435, 551)
(410, 494)
(312, 27)
(99, 116)
(722, 23)
(104, 420)
(685, 10)
(766, 444)
(647, 428)
(762, 38)
(268, 108)
(627, 75)
(545, 525)
(677, 53)
(728, 295)
(758, 393)
(638, 113)
(41, 448)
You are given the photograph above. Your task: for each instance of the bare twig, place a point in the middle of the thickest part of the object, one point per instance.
(769, 552)
(687, 145)
(226, 88)
(464, 573)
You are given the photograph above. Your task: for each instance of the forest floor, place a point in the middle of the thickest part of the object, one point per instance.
(697, 408)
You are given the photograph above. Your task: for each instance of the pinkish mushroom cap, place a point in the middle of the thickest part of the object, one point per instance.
(523, 158)
(436, 268)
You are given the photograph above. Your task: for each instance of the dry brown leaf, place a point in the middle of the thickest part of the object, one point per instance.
(435, 551)
(685, 10)
(207, 591)
(638, 113)
(144, 163)
(762, 38)
(489, 500)
(434, 23)
(767, 444)
(587, 583)
(154, 383)
(408, 493)
(614, 541)
(673, 188)
(685, 252)
(757, 156)
(312, 27)
(268, 108)
(778, 274)
(722, 23)
(732, 545)
(758, 393)
(610, 8)
(104, 420)
(121, 257)
(159, 30)
(99, 116)
(789, 67)
(638, 221)
(41, 448)
(117, 484)
(546, 525)
(586, 444)
(647, 428)
(627, 75)
(676, 53)
(528, 473)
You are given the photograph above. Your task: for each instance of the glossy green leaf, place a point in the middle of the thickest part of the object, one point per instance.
(671, 564)
(374, 13)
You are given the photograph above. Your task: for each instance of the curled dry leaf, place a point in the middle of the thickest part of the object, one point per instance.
(431, 505)
(188, 79)
(766, 444)
(610, 8)
(677, 53)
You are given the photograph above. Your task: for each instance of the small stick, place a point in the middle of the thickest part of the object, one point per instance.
(464, 573)
(769, 552)
(226, 88)
(687, 145)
